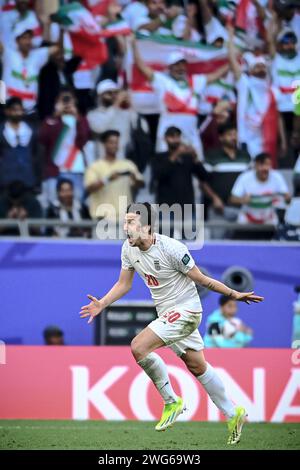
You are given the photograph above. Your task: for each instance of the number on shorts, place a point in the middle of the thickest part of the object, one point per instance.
(173, 317)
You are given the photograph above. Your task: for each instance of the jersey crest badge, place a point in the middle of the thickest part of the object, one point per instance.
(156, 264)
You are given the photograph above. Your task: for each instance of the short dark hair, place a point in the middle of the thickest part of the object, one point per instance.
(65, 90)
(227, 126)
(107, 134)
(12, 102)
(224, 299)
(262, 157)
(62, 181)
(50, 331)
(172, 130)
(16, 189)
(146, 211)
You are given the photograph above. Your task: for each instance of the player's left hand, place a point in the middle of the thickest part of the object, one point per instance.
(92, 309)
(247, 297)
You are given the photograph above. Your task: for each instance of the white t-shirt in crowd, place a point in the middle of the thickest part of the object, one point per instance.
(133, 11)
(10, 19)
(20, 74)
(264, 196)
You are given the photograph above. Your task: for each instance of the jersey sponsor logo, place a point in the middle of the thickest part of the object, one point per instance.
(156, 264)
(186, 259)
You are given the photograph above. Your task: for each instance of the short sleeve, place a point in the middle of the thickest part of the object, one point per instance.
(238, 189)
(179, 256)
(199, 83)
(41, 56)
(91, 176)
(135, 171)
(126, 264)
(140, 21)
(159, 82)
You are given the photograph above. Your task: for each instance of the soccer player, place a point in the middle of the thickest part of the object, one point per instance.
(168, 269)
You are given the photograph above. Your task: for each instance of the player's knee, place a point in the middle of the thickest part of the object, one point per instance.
(196, 368)
(137, 349)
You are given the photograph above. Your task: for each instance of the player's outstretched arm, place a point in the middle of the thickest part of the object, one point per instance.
(196, 275)
(120, 288)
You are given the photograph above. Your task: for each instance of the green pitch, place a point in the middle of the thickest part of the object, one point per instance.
(105, 435)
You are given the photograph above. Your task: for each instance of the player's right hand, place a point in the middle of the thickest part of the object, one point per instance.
(92, 309)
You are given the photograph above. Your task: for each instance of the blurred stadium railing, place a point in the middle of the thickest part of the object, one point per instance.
(25, 225)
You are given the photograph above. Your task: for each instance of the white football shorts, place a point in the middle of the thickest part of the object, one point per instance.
(178, 328)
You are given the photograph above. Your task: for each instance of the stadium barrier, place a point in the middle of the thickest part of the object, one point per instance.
(25, 225)
(64, 382)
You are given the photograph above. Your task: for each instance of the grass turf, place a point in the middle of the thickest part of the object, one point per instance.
(105, 435)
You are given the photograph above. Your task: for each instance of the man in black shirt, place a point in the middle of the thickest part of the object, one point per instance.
(173, 173)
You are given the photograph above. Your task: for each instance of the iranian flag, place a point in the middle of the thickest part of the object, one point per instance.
(116, 28)
(97, 7)
(155, 50)
(85, 33)
(66, 155)
(245, 22)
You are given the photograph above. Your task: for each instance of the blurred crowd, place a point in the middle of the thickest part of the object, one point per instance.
(94, 108)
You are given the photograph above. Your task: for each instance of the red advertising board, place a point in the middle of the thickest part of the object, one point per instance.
(105, 383)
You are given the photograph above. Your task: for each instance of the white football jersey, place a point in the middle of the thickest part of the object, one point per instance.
(163, 267)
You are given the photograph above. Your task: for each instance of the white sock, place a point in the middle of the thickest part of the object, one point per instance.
(156, 369)
(216, 390)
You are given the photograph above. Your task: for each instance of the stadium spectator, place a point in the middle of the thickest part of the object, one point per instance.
(111, 182)
(196, 104)
(215, 33)
(225, 163)
(21, 66)
(178, 97)
(114, 112)
(289, 230)
(67, 207)
(285, 73)
(258, 192)
(222, 89)
(134, 10)
(56, 74)
(296, 320)
(63, 137)
(259, 124)
(17, 202)
(286, 14)
(222, 113)
(161, 19)
(11, 18)
(116, 45)
(194, 30)
(19, 155)
(174, 169)
(53, 336)
(224, 329)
